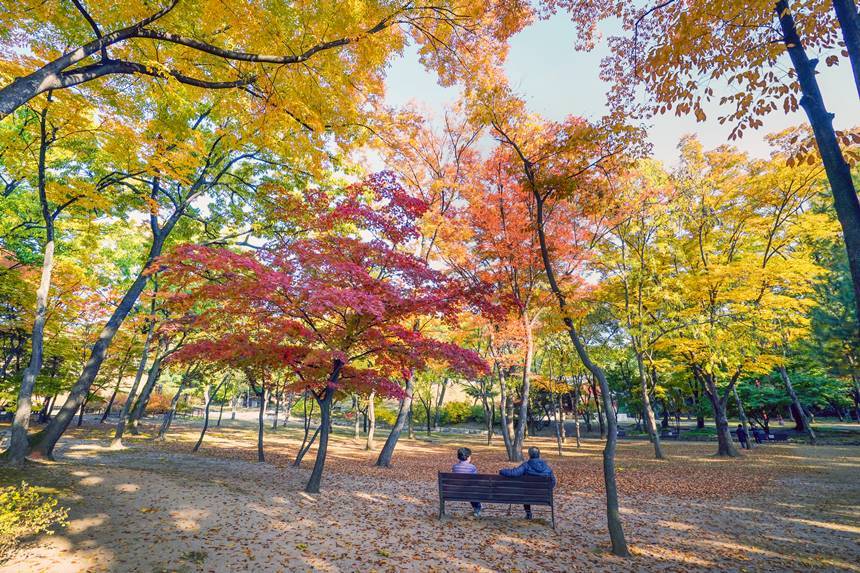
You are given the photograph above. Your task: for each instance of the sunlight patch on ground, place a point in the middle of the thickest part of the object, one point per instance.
(825, 524)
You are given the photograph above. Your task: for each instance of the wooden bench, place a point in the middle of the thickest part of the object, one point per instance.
(492, 488)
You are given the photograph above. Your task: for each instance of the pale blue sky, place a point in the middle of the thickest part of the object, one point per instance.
(557, 81)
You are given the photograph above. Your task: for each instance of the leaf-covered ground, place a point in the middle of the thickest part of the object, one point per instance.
(157, 507)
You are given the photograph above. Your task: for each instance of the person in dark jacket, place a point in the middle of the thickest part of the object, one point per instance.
(533, 467)
(464, 465)
(742, 437)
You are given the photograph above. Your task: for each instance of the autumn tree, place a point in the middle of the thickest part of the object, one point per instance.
(729, 55)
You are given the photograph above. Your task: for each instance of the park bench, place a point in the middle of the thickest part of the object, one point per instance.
(492, 488)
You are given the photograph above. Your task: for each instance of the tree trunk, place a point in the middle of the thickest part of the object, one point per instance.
(221, 410)
(209, 399)
(277, 410)
(650, 421)
(356, 425)
(613, 516)
(800, 415)
(46, 442)
(81, 411)
(45, 414)
(261, 422)
(438, 414)
(168, 416)
(291, 398)
(371, 418)
(19, 443)
(725, 446)
(410, 427)
(519, 436)
(305, 448)
(123, 416)
(837, 170)
(384, 459)
(849, 21)
(600, 421)
(140, 407)
(313, 485)
(233, 403)
(742, 415)
(856, 396)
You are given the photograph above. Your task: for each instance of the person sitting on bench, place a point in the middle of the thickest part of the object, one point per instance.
(465, 466)
(533, 467)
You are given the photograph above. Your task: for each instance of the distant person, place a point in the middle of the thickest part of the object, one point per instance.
(464, 465)
(533, 467)
(742, 437)
(758, 435)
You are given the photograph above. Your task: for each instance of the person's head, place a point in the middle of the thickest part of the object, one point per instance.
(464, 454)
(534, 453)
(740, 426)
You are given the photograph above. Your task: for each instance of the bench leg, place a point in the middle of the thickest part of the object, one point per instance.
(552, 511)
(441, 508)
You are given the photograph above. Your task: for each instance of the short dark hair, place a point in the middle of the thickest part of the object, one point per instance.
(463, 454)
(534, 453)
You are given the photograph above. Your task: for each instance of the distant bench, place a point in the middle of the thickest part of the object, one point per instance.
(765, 436)
(492, 488)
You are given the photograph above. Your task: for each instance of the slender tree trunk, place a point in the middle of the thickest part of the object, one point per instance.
(209, 399)
(410, 427)
(44, 446)
(849, 21)
(123, 416)
(356, 426)
(519, 436)
(576, 418)
(277, 410)
(19, 444)
(384, 459)
(233, 403)
(313, 485)
(168, 416)
(140, 406)
(288, 412)
(600, 422)
(371, 419)
(221, 410)
(742, 415)
(261, 423)
(81, 412)
(795, 402)
(45, 414)
(613, 516)
(306, 446)
(506, 413)
(856, 396)
(438, 414)
(837, 170)
(650, 421)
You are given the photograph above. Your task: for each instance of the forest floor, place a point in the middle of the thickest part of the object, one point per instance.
(157, 507)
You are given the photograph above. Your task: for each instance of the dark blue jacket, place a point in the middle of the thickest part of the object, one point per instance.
(535, 467)
(742, 434)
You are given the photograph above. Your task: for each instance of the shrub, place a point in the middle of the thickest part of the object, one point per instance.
(158, 403)
(385, 415)
(23, 512)
(478, 414)
(456, 412)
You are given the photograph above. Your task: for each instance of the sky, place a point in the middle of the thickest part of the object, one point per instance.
(557, 81)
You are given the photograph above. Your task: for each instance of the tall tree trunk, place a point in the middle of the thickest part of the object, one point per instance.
(19, 444)
(123, 416)
(288, 411)
(371, 419)
(849, 21)
(437, 417)
(800, 415)
(506, 411)
(44, 445)
(519, 436)
(613, 516)
(596, 392)
(261, 422)
(384, 459)
(45, 414)
(145, 394)
(233, 404)
(725, 446)
(313, 485)
(742, 414)
(356, 426)
(168, 416)
(81, 412)
(837, 170)
(410, 426)
(856, 396)
(209, 398)
(650, 421)
(305, 447)
(277, 410)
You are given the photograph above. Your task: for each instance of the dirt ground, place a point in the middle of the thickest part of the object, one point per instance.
(158, 507)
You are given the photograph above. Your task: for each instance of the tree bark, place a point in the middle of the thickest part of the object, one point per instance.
(849, 21)
(140, 406)
(742, 415)
(19, 443)
(313, 485)
(123, 416)
(800, 414)
(837, 170)
(356, 426)
(277, 410)
(505, 412)
(261, 422)
(233, 404)
(650, 420)
(725, 446)
(384, 459)
(437, 416)
(371, 419)
(168, 416)
(206, 414)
